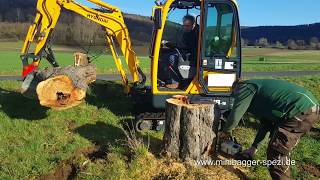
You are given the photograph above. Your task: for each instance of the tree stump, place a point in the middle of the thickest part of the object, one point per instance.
(189, 133)
(59, 88)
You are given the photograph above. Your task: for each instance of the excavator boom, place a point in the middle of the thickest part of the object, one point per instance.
(111, 18)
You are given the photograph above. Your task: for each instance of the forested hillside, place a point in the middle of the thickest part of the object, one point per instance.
(282, 33)
(16, 15)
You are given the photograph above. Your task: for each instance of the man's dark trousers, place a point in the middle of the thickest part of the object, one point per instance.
(285, 138)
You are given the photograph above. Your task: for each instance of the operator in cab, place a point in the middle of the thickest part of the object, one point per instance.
(188, 45)
(284, 109)
(189, 42)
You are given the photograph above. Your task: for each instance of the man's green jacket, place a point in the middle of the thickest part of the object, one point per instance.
(271, 101)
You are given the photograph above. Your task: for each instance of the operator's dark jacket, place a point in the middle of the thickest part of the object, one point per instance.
(189, 43)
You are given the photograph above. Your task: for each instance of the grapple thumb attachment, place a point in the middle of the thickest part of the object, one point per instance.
(30, 83)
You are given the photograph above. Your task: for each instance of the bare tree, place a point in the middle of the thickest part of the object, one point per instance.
(314, 41)
(279, 45)
(301, 44)
(244, 42)
(292, 44)
(263, 42)
(18, 14)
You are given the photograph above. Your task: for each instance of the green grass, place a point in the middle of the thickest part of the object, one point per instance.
(280, 67)
(280, 60)
(38, 142)
(35, 140)
(276, 60)
(11, 63)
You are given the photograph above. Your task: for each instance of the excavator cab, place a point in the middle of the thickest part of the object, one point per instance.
(201, 62)
(179, 46)
(205, 67)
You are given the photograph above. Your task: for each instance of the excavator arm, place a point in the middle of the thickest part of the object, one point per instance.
(117, 35)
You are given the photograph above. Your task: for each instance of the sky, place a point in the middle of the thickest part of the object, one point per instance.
(252, 12)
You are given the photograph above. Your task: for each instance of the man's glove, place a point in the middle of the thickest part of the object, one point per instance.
(247, 154)
(224, 136)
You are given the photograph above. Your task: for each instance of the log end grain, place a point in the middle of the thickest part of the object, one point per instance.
(59, 93)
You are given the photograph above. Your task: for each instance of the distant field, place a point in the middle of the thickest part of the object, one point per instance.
(275, 59)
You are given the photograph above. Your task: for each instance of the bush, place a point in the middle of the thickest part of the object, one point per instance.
(292, 44)
(263, 59)
(263, 42)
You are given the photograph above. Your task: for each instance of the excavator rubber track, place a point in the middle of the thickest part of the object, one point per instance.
(150, 121)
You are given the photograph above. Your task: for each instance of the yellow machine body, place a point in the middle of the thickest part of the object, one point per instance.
(218, 57)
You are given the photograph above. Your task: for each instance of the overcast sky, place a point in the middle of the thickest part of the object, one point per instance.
(252, 13)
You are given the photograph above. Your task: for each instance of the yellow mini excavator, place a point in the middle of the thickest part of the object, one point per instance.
(195, 51)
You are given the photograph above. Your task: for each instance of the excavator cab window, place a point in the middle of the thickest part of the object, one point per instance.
(220, 63)
(179, 46)
(218, 30)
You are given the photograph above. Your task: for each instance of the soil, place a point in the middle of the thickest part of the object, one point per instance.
(312, 169)
(68, 169)
(65, 171)
(167, 168)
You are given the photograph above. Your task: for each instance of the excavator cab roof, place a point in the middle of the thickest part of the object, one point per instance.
(186, 4)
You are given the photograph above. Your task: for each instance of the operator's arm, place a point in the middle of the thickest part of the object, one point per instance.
(243, 97)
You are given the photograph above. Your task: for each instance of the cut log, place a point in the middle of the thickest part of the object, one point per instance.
(60, 88)
(189, 133)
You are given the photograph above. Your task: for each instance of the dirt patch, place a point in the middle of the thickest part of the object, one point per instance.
(170, 169)
(72, 125)
(315, 135)
(163, 168)
(65, 171)
(93, 153)
(312, 169)
(69, 169)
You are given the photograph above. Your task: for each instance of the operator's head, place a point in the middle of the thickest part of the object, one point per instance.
(189, 23)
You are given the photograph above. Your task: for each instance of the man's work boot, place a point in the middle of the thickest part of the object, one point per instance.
(172, 86)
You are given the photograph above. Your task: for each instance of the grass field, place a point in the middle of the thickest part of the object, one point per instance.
(87, 142)
(275, 60)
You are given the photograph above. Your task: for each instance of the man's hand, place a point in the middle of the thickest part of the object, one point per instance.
(224, 136)
(251, 151)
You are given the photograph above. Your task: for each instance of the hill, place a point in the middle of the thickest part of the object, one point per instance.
(282, 33)
(73, 28)
(16, 15)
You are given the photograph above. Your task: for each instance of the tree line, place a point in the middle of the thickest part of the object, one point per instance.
(282, 34)
(312, 44)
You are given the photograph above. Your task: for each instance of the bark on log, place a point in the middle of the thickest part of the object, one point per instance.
(189, 133)
(60, 88)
